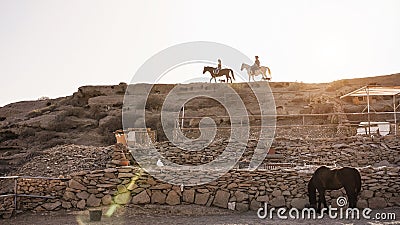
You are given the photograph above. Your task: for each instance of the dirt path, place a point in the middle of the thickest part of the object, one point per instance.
(185, 214)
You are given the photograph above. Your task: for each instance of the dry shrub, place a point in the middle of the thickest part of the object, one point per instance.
(336, 85)
(296, 86)
(154, 102)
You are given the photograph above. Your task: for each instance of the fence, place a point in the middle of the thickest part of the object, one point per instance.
(15, 193)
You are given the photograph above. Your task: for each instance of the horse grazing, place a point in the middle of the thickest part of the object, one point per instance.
(263, 71)
(221, 73)
(333, 179)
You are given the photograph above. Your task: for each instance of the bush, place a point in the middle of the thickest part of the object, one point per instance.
(296, 86)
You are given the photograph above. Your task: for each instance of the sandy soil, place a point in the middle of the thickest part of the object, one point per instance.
(185, 214)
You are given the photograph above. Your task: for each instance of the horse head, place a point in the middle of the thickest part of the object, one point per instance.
(241, 68)
(204, 70)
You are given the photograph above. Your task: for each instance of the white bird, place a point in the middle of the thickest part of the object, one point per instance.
(159, 163)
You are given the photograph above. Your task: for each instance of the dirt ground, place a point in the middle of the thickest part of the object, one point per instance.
(184, 214)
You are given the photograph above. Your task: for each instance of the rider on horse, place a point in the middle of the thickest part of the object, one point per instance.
(255, 66)
(219, 67)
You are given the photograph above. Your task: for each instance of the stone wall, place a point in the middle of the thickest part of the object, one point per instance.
(347, 151)
(239, 190)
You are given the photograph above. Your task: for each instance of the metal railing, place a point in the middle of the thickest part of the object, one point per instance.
(16, 195)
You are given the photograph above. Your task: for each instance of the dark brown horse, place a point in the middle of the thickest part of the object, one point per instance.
(333, 179)
(222, 72)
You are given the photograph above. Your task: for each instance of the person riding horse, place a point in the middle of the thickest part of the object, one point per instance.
(219, 67)
(255, 66)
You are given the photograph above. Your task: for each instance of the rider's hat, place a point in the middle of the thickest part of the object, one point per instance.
(256, 56)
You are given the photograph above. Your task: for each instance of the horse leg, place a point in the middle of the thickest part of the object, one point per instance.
(352, 197)
(321, 199)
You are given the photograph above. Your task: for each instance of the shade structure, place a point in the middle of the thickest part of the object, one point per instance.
(377, 91)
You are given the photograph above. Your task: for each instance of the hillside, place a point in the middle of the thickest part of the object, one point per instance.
(90, 115)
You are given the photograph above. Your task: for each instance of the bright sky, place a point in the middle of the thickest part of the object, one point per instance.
(50, 48)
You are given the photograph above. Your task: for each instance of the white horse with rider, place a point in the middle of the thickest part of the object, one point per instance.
(258, 70)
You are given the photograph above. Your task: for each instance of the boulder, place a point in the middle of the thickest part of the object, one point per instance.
(362, 204)
(367, 194)
(92, 201)
(278, 201)
(241, 196)
(377, 203)
(106, 200)
(76, 185)
(141, 198)
(173, 198)
(221, 199)
(82, 195)
(242, 207)
(299, 203)
(158, 197)
(201, 198)
(51, 205)
(81, 204)
(66, 205)
(123, 198)
(188, 196)
(276, 193)
(255, 205)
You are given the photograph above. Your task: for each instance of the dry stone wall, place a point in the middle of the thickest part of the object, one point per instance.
(238, 189)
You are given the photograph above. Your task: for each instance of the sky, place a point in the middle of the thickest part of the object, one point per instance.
(52, 47)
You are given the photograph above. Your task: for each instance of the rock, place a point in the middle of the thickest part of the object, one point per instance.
(339, 146)
(221, 199)
(161, 187)
(377, 203)
(286, 193)
(122, 198)
(121, 188)
(276, 193)
(173, 198)
(81, 204)
(263, 198)
(201, 199)
(68, 195)
(125, 175)
(76, 185)
(299, 203)
(158, 197)
(106, 200)
(240, 196)
(82, 195)
(278, 201)
(395, 200)
(92, 201)
(367, 194)
(242, 207)
(51, 205)
(66, 205)
(255, 205)
(188, 196)
(141, 198)
(362, 204)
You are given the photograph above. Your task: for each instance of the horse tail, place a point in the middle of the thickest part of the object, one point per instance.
(269, 71)
(233, 76)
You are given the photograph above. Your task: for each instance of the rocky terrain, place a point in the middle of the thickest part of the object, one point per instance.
(90, 115)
